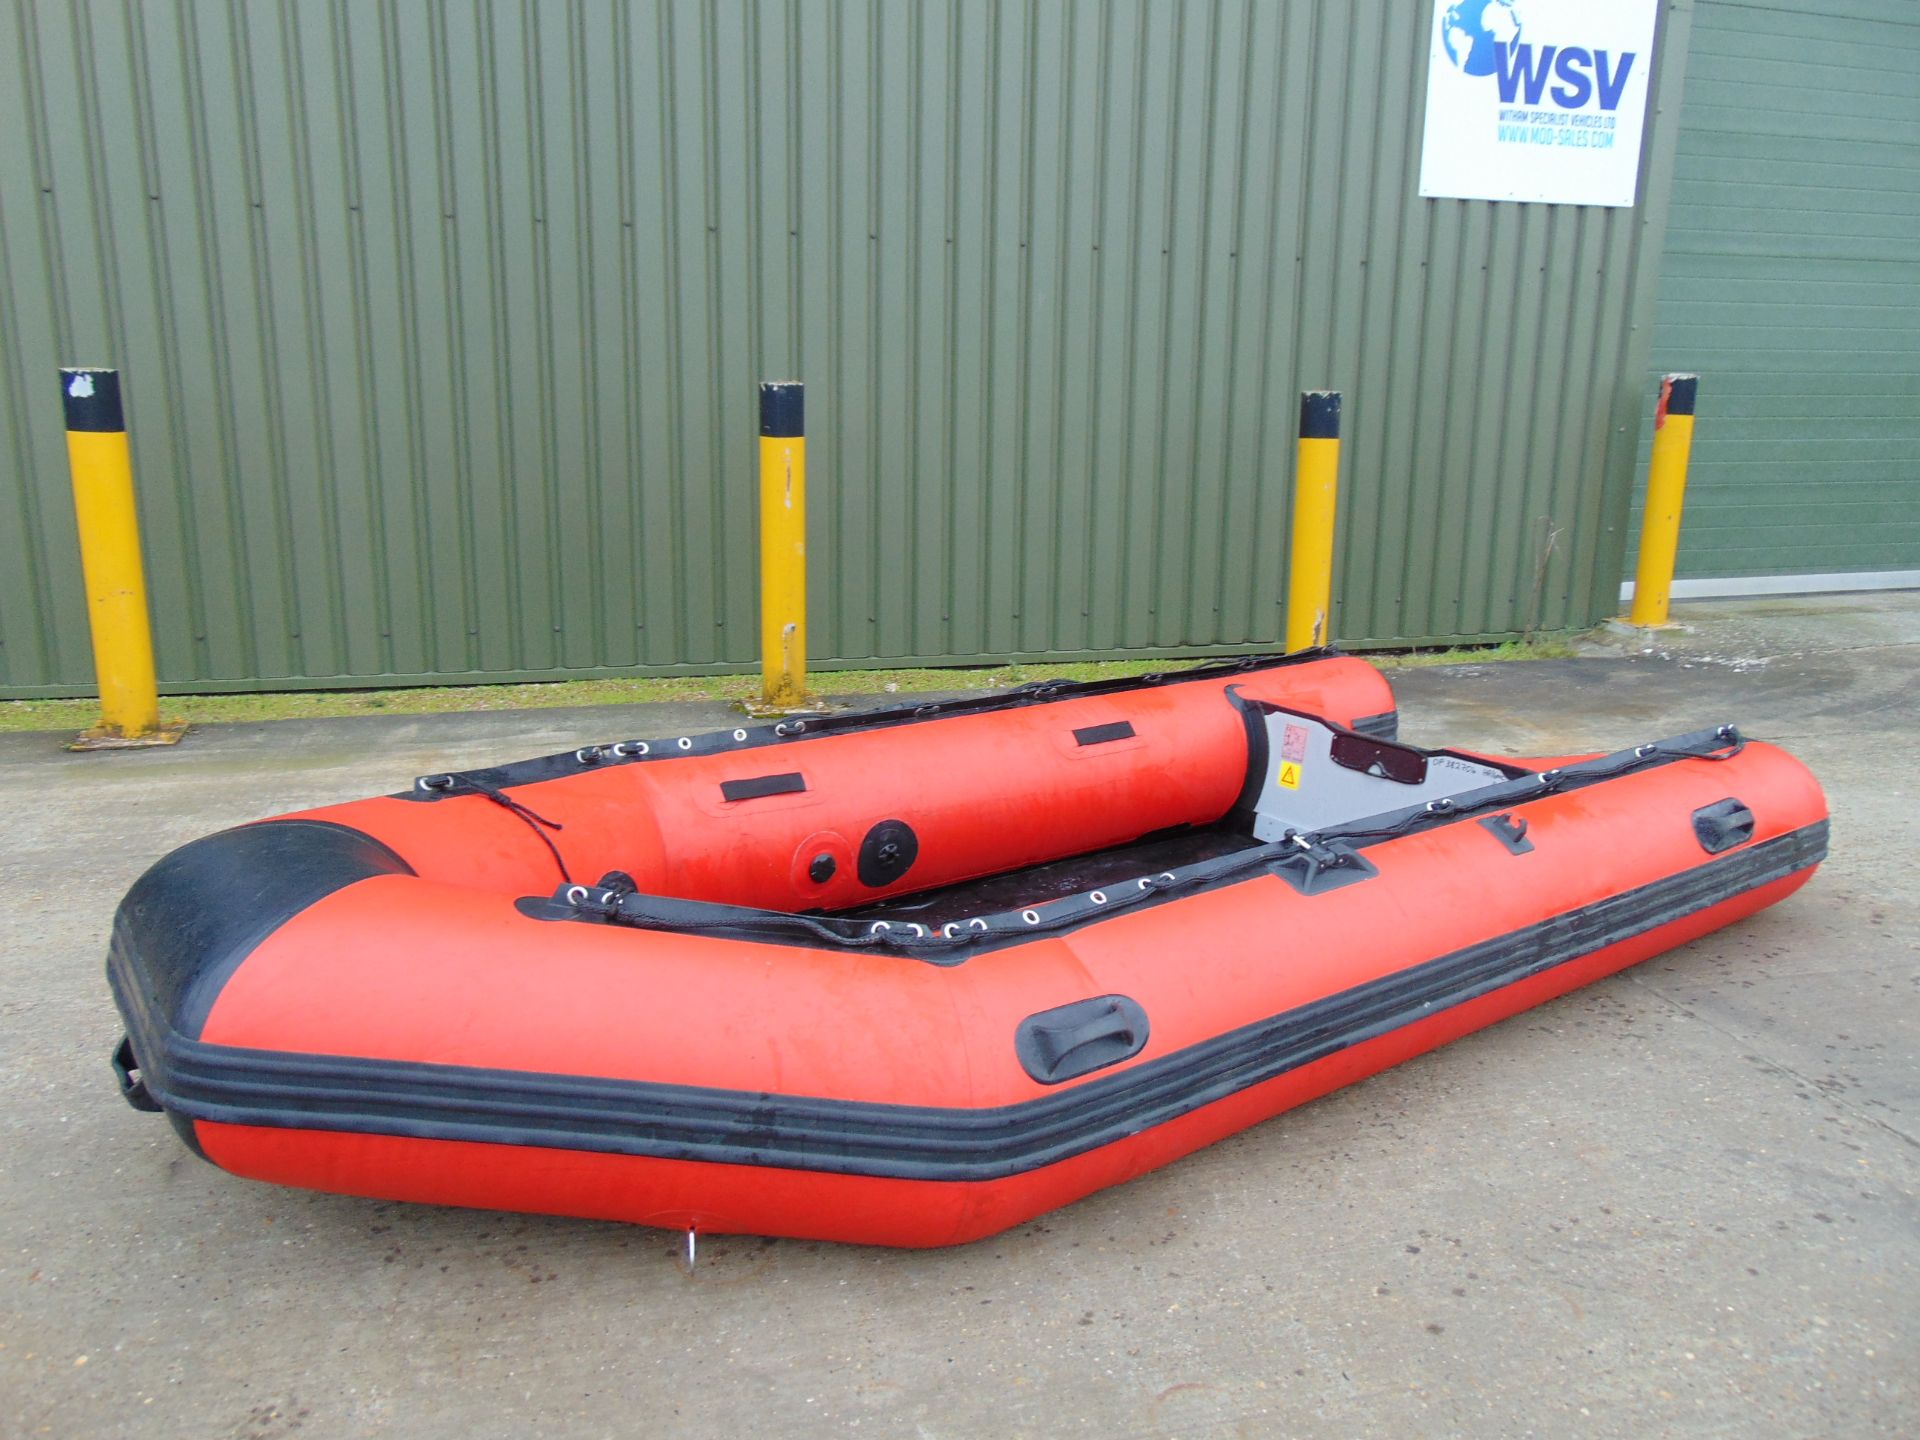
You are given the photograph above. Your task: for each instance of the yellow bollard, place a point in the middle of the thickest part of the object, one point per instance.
(1315, 482)
(783, 545)
(1666, 492)
(116, 581)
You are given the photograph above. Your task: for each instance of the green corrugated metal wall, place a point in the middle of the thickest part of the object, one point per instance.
(1792, 283)
(441, 326)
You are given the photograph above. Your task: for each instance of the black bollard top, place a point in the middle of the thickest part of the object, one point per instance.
(783, 408)
(1320, 415)
(92, 399)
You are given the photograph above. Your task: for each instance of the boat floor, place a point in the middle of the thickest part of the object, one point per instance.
(1037, 884)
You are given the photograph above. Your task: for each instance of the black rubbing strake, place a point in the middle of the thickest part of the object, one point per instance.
(447, 1102)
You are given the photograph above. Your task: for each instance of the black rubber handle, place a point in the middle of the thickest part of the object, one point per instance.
(1723, 825)
(1077, 1039)
(1510, 831)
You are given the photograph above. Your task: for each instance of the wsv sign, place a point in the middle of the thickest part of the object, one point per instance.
(1583, 75)
(1540, 101)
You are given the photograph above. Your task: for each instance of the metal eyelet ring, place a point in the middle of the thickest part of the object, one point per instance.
(1167, 875)
(684, 743)
(799, 727)
(1547, 777)
(1641, 752)
(739, 735)
(588, 756)
(1439, 807)
(577, 894)
(918, 929)
(1099, 897)
(1728, 733)
(607, 897)
(1146, 884)
(435, 782)
(977, 923)
(947, 930)
(879, 927)
(1032, 917)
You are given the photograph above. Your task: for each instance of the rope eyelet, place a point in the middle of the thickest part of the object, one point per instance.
(739, 735)
(977, 923)
(684, 743)
(1032, 917)
(434, 782)
(577, 894)
(1099, 897)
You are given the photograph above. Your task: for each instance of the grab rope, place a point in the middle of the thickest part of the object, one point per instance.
(536, 822)
(810, 725)
(1320, 859)
(1722, 743)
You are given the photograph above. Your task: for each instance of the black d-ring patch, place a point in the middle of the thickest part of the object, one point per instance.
(791, 783)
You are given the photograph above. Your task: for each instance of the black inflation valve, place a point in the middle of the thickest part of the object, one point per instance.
(887, 853)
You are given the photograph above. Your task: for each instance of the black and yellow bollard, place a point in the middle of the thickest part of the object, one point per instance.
(1315, 485)
(115, 578)
(1666, 494)
(783, 545)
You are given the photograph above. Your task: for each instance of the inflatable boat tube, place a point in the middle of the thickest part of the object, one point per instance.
(910, 977)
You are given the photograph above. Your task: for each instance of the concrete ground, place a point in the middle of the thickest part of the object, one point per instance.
(1680, 1202)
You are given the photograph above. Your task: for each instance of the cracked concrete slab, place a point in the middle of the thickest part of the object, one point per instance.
(1682, 1201)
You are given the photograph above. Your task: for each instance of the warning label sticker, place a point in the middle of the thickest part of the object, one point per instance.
(1290, 775)
(1293, 743)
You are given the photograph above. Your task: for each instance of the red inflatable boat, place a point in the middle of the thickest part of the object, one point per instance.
(906, 977)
